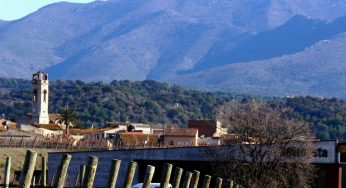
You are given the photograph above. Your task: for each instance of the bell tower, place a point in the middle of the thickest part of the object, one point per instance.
(40, 98)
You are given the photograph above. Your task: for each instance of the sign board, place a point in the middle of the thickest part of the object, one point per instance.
(325, 152)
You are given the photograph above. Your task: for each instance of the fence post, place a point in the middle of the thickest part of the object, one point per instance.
(187, 180)
(230, 183)
(177, 177)
(60, 175)
(218, 182)
(33, 183)
(57, 143)
(113, 174)
(77, 179)
(206, 181)
(195, 178)
(28, 169)
(166, 175)
(131, 169)
(81, 175)
(52, 180)
(68, 144)
(33, 144)
(9, 143)
(90, 172)
(44, 172)
(148, 176)
(7, 172)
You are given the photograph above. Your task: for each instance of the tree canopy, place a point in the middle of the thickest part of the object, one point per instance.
(263, 147)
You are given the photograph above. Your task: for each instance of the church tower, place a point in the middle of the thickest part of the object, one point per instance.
(40, 98)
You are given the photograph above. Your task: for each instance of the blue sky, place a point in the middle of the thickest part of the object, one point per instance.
(15, 9)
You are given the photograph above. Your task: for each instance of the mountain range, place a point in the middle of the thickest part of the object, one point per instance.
(266, 47)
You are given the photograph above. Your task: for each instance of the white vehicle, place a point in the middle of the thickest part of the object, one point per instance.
(152, 185)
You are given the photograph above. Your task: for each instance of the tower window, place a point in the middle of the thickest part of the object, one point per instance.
(34, 97)
(45, 95)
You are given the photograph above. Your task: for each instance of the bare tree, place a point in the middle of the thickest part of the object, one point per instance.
(265, 147)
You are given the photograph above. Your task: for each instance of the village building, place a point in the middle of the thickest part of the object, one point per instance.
(180, 137)
(210, 132)
(6, 124)
(137, 126)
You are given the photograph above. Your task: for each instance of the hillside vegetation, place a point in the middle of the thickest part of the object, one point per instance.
(153, 102)
(98, 103)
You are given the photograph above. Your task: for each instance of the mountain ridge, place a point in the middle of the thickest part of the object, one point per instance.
(168, 41)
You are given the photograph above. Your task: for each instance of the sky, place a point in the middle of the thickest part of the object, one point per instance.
(16, 9)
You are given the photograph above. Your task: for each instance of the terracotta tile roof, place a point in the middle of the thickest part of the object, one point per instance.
(52, 127)
(190, 132)
(205, 127)
(9, 123)
(54, 116)
(82, 131)
(105, 129)
(51, 116)
(18, 133)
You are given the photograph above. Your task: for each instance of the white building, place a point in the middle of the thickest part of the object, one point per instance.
(40, 98)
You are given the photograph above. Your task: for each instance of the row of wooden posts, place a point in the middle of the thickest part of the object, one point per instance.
(86, 175)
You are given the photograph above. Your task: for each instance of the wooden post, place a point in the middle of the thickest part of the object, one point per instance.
(22, 142)
(113, 174)
(166, 175)
(60, 175)
(28, 169)
(90, 145)
(52, 180)
(44, 172)
(131, 169)
(148, 176)
(33, 144)
(231, 183)
(236, 185)
(100, 146)
(33, 183)
(9, 143)
(177, 177)
(77, 179)
(57, 143)
(195, 178)
(90, 172)
(7, 172)
(206, 181)
(187, 180)
(45, 143)
(81, 174)
(68, 144)
(218, 182)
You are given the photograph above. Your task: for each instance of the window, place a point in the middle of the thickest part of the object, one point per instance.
(180, 142)
(45, 95)
(171, 142)
(187, 142)
(34, 97)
